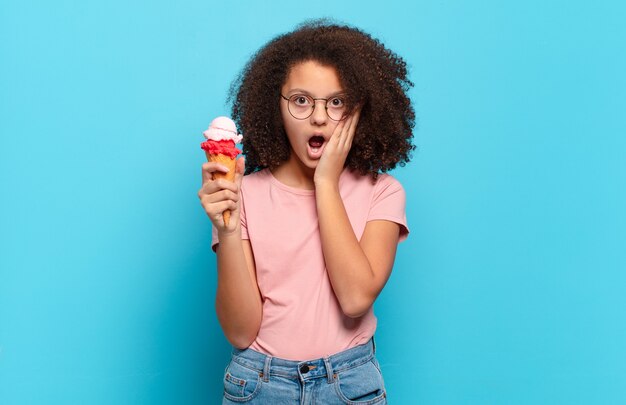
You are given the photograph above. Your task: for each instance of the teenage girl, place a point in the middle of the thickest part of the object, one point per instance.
(314, 222)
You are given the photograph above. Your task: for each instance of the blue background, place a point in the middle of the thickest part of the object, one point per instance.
(509, 290)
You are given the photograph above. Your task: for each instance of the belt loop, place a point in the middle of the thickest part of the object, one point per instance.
(373, 344)
(266, 368)
(329, 370)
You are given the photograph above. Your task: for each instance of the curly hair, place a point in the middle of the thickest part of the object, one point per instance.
(373, 76)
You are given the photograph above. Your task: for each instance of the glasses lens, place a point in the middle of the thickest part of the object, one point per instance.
(336, 108)
(301, 106)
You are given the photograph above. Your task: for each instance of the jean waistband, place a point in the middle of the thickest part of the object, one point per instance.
(324, 367)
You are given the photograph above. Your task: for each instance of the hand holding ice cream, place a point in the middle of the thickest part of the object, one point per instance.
(221, 137)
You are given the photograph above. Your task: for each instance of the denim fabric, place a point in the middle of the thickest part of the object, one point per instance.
(349, 377)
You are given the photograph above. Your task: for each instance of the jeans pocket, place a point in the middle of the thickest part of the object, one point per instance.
(361, 385)
(241, 383)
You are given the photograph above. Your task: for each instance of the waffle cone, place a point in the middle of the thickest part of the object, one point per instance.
(230, 176)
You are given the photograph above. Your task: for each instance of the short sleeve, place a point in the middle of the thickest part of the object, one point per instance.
(389, 203)
(244, 225)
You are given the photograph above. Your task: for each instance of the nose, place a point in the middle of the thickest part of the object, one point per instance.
(319, 115)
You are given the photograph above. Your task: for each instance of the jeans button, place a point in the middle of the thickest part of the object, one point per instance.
(304, 369)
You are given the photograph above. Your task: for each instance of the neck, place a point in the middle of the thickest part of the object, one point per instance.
(295, 174)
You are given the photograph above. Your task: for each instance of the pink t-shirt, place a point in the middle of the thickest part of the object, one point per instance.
(302, 319)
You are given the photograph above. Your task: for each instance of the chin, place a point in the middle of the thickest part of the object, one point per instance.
(308, 163)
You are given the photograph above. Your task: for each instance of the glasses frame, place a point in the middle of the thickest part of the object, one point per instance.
(314, 105)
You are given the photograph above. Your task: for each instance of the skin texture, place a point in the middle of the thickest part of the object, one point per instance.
(358, 270)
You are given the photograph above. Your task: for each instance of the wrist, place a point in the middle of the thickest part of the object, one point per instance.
(228, 234)
(326, 185)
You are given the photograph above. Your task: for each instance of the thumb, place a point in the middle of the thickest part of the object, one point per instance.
(239, 170)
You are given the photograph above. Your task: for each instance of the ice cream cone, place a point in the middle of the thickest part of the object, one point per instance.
(219, 147)
(230, 163)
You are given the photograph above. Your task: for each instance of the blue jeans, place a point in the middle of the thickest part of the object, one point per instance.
(349, 377)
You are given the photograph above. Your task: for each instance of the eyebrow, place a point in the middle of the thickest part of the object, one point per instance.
(302, 91)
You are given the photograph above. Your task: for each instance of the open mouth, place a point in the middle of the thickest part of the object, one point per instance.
(316, 142)
(316, 146)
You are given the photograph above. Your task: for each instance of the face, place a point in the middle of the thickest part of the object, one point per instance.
(309, 136)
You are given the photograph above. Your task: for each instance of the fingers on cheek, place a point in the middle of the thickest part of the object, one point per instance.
(347, 128)
(353, 124)
(340, 128)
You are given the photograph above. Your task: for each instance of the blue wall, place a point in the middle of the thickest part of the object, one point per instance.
(510, 289)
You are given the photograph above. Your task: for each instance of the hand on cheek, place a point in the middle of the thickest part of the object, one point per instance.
(335, 153)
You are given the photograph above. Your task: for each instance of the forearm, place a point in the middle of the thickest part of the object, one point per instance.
(238, 301)
(348, 267)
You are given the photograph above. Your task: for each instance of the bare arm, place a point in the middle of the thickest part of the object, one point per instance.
(357, 270)
(238, 300)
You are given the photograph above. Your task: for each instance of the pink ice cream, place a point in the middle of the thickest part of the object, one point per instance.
(219, 147)
(221, 137)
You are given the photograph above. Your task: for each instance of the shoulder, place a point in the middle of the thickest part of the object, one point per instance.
(386, 197)
(387, 184)
(386, 180)
(382, 184)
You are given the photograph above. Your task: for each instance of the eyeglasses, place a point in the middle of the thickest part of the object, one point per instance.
(301, 106)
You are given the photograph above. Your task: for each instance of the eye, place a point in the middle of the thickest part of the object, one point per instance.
(300, 100)
(336, 102)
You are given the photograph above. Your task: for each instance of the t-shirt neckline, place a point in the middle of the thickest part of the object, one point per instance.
(292, 190)
(301, 191)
